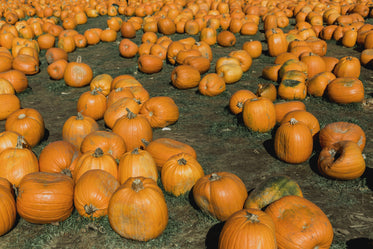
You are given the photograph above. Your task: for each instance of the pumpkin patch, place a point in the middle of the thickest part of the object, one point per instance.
(146, 123)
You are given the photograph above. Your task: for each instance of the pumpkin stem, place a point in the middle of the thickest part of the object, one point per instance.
(293, 121)
(253, 218)
(335, 154)
(90, 209)
(67, 172)
(15, 190)
(118, 89)
(239, 104)
(79, 59)
(146, 143)
(98, 152)
(20, 142)
(96, 90)
(137, 185)
(79, 116)
(214, 177)
(21, 116)
(130, 115)
(182, 161)
(135, 151)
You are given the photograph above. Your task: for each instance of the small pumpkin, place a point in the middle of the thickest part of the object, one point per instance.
(185, 77)
(267, 90)
(78, 74)
(160, 111)
(150, 64)
(92, 104)
(211, 85)
(226, 38)
(9, 103)
(56, 69)
(119, 109)
(238, 99)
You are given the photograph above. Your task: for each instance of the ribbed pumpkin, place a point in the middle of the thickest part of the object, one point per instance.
(267, 90)
(220, 194)
(271, 190)
(185, 76)
(293, 142)
(238, 99)
(93, 191)
(248, 228)
(57, 157)
(135, 163)
(259, 114)
(27, 122)
(119, 109)
(160, 111)
(102, 83)
(151, 216)
(282, 108)
(95, 160)
(347, 66)
(45, 197)
(17, 78)
(342, 160)
(8, 139)
(77, 127)
(180, 172)
(133, 129)
(340, 131)
(317, 84)
(8, 211)
(108, 141)
(299, 223)
(162, 149)
(92, 104)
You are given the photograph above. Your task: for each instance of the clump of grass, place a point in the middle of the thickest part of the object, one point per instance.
(57, 87)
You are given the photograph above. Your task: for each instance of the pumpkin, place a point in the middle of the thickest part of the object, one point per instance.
(306, 117)
(226, 38)
(344, 90)
(9, 103)
(6, 87)
(299, 223)
(166, 26)
(78, 74)
(120, 109)
(230, 72)
(150, 63)
(7, 210)
(160, 111)
(271, 190)
(26, 64)
(254, 48)
(244, 58)
(341, 131)
(271, 72)
(347, 66)
(133, 129)
(220, 194)
(5, 63)
(315, 64)
(93, 191)
(248, 228)
(95, 160)
(342, 160)
(57, 157)
(259, 114)
(117, 94)
(45, 197)
(238, 99)
(151, 216)
(293, 142)
(267, 90)
(53, 54)
(128, 48)
(102, 83)
(27, 122)
(56, 69)
(282, 108)
(317, 85)
(162, 149)
(185, 77)
(211, 85)
(77, 127)
(136, 163)
(8, 139)
(92, 104)
(108, 141)
(277, 44)
(17, 78)
(201, 63)
(179, 173)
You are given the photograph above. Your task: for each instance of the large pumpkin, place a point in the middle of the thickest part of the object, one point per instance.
(220, 194)
(45, 197)
(78, 74)
(259, 114)
(248, 228)
(8, 211)
(299, 223)
(138, 210)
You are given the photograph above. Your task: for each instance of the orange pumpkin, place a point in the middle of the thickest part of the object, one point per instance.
(184, 77)
(92, 104)
(7, 210)
(78, 74)
(211, 85)
(345, 90)
(238, 99)
(160, 111)
(9, 103)
(259, 114)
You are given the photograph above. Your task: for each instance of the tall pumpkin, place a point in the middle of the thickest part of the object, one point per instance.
(220, 194)
(45, 197)
(8, 211)
(151, 216)
(293, 142)
(259, 114)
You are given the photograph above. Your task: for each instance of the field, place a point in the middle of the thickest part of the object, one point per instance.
(222, 143)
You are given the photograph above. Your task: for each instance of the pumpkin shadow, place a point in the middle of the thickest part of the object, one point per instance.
(212, 237)
(368, 175)
(46, 135)
(269, 145)
(361, 243)
(192, 201)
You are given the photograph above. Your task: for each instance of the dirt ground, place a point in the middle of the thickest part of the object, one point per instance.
(222, 143)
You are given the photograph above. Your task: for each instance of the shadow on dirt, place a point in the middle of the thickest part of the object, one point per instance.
(360, 243)
(212, 237)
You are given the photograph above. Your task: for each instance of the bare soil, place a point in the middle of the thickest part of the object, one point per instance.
(222, 143)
